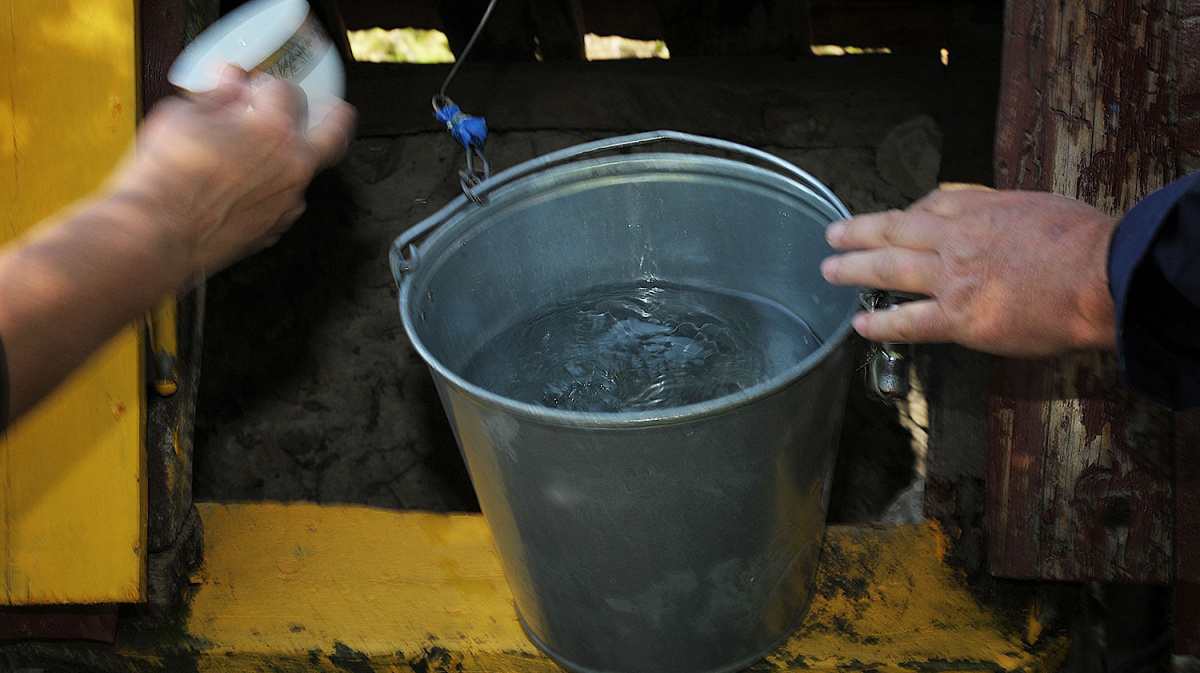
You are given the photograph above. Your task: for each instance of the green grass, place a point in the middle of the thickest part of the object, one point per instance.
(416, 45)
(401, 45)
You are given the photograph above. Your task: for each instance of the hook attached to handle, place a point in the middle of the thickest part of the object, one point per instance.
(887, 363)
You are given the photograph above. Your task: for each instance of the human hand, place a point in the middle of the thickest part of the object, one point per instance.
(1021, 274)
(225, 172)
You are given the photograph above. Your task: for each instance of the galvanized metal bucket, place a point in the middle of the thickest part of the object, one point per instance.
(671, 541)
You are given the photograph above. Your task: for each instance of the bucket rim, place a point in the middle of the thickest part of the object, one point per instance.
(571, 157)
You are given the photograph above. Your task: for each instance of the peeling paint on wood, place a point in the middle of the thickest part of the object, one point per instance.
(1079, 474)
(303, 587)
(1080, 484)
(1187, 40)
(1086, 105)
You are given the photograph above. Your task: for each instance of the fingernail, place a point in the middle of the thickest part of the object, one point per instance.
(235, 80)
(232, 75)
(833, 233)
(829, 267)
(859, 322)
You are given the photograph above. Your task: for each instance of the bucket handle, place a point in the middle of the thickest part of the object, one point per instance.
(405, 258)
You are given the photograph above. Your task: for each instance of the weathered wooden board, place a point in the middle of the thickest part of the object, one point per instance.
(1079, 474)
(1188, 48)
(1187, 433)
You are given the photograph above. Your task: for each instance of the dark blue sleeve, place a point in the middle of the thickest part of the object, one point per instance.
(1154, 276)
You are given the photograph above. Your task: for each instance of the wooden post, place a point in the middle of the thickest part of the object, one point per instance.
(1189, 85)
(1079, 470)
(1187, 434)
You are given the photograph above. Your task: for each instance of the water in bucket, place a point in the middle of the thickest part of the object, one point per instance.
(639, 347)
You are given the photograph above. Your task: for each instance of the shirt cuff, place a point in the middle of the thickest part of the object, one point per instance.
(1154, 277)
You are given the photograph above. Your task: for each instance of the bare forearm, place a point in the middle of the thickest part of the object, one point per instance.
(72, 285)
(215, 178)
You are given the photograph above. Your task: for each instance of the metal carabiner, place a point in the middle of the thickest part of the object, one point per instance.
(887, 363)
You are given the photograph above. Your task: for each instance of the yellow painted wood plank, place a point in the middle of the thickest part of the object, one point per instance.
(298, 578)
(309, 587)
(73, 500)
(8, 192)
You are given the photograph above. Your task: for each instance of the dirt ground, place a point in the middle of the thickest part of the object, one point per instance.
(310, 389)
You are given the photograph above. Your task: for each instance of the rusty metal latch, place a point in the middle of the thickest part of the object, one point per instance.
(887, 363)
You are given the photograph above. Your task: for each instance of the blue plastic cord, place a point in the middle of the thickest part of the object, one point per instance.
(470, 132)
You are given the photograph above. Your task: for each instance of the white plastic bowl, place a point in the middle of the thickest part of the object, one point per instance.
(266, 38)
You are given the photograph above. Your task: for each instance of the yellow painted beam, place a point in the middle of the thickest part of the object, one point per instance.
(163, 324)
(334, 588)
(71, 487)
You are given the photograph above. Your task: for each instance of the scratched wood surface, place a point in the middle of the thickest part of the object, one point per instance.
(1189, 85)
(1079, 474)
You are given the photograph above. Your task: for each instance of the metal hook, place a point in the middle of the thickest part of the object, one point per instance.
(403, 260)
(472, 178)
(887, 363)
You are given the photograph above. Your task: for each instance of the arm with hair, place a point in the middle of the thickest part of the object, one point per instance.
(214, 179)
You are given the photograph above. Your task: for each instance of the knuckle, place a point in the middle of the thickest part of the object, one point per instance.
(931, 326)
(887, 265)
(907, 268)
(274, 134)
(893, 226)
(299, 173)
(903, 327)
(276, 125)
(943, 203)
(931, 201)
